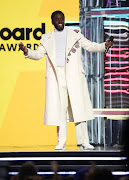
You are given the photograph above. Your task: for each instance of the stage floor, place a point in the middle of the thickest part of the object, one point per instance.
(69, 161)
(51, 148)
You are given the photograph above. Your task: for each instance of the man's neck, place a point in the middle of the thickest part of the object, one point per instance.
(57, 31)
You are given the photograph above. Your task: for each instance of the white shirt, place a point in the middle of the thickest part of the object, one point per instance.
(60, 43)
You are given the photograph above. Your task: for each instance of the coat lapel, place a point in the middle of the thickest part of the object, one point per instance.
(49, 45)
(72, 38)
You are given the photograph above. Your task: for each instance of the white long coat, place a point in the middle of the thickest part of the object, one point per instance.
(75, 76)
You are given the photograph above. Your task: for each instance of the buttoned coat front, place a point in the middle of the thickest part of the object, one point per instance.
(80, 104)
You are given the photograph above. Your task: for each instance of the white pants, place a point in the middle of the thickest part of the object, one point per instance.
(81, 127)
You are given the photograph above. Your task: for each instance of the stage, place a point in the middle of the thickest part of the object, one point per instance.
(69, 161)
(23, 136)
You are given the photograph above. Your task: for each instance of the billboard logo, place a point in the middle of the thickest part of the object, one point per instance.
(24, 33)
(20, 34)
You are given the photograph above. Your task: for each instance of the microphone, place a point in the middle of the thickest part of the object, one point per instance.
(107, 48)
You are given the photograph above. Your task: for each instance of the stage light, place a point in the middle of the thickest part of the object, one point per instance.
(62, 158)
(116, 173)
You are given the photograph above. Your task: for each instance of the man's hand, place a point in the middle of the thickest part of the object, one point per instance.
(108, 43)
(23, 48)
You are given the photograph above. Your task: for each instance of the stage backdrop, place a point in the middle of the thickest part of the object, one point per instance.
(22, 81)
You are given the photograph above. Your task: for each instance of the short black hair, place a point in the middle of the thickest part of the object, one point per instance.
(27, 169)
(56, 12)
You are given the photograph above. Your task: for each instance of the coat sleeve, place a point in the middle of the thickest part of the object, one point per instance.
(36, 54)
(92, 46)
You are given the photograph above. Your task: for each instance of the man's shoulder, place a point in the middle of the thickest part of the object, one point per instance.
(75, 33)
(46, 36)
(74, 30)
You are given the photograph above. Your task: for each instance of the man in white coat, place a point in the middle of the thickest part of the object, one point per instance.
(66, 88)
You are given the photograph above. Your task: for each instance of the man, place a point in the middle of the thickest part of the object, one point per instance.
(66, 88)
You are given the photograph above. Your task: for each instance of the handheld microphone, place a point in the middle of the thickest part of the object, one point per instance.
(110, 40)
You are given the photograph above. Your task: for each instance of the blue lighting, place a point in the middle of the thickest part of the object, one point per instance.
(112, 15)
(115, 23)
(110, 9)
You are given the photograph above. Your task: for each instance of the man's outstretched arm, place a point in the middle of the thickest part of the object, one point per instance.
(93, 46)
(33, 54)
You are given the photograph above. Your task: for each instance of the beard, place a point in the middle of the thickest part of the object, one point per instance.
(59, 28)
